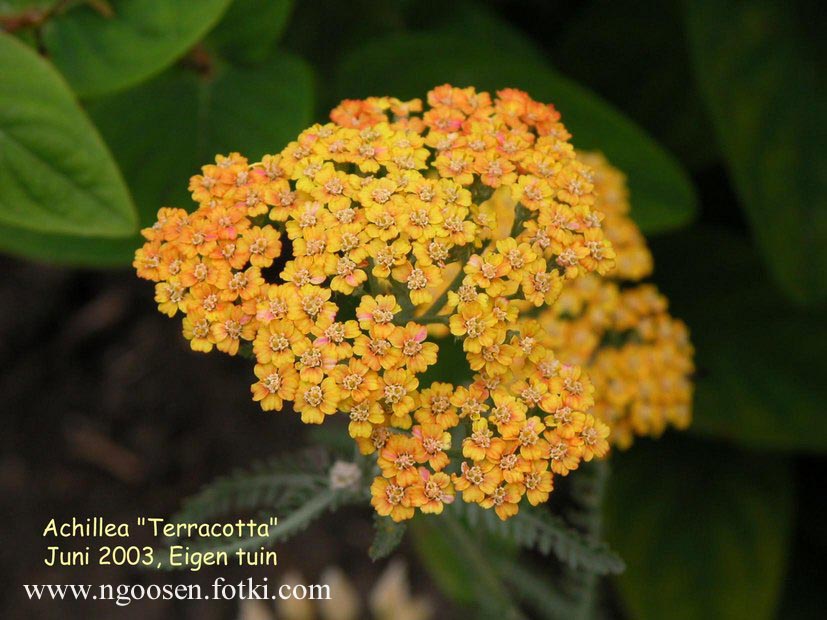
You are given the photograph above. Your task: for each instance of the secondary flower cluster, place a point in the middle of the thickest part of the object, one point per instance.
(403, 221)
(637, 355)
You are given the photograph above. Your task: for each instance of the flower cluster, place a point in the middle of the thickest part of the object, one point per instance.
(638, 357)
(401, 222)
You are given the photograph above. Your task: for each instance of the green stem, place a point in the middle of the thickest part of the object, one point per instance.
(520, 213)
(403, 298)
(428, 320)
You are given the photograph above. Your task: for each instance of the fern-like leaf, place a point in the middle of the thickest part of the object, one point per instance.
(547, 533)
(265, 485)
(295, 488)
(535, 589)
(297, 520)
(387, 537)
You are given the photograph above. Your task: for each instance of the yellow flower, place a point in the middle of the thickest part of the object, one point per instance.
(198, 330)
(274, 386)
(431, 492)
(418, 279)
(477, 324)
(365, 416)
(538, 482)
(171, 297)
(231, 326)
(504, 500)
(594, 438)
(432, 441)
(435, 406)
(315, 401)
(399, 395)
(264, 245)
(475, 481)
(390, 499)
(398, 461)
(355, 381)
(417, 354)
(378, 310)
(564, 452)
(274, 342)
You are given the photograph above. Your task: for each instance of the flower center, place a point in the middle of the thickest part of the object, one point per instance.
(394, 393)
(352, 381)
(314, 396)
(272, 382)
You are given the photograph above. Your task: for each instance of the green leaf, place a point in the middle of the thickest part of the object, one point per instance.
(388, 536)
(69, 250)
(536, 588)
(297, 519)
(295, 488)
(264, 485)
(703, 527)
(760, 360)
(250, 28)
(489, 55)
(491, 596)
(436, 552)
(56, 175)
(163, 131)
(101, 54)
(539, 529)
(758, 71)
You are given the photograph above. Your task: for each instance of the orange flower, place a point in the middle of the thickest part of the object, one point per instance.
(274, 386)
(417, 354)
(432, 492)
(397, 459)
(315, 401)
(390, 499)
(433, 440)
(475, 481)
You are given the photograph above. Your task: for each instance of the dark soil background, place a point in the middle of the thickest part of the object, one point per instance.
(107, 412)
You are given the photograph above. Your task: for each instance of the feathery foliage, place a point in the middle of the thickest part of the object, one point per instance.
(388, 536)
(535, 589)
(296, 486)
(547, 533)
(273, 483)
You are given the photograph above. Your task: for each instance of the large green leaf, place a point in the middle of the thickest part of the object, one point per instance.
(250, 28)
(764, 88)
(704, 530)
(56, 175)
(101, 54)
(760, 359)
(69, 249)
(488, 54)
(163, 131)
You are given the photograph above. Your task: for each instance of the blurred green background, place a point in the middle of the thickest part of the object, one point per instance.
(714, 109)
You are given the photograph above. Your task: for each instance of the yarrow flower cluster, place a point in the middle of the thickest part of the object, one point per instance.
(340, 261)
(638, 357)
